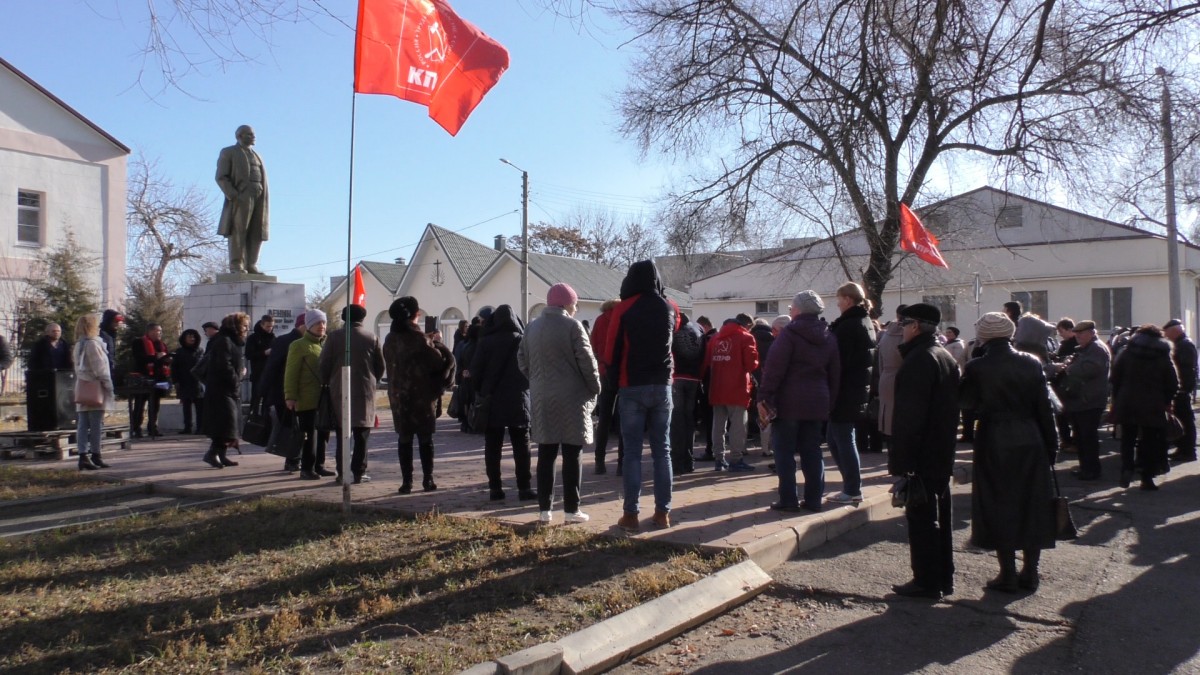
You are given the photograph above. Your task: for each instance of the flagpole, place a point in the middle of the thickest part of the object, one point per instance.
(345, 430)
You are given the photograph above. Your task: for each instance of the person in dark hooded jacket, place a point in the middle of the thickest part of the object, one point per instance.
(687, 348)
(638, 351)
(495, 373)
(189, 390)
(418, 371)
(1144, 382)
(110, 324)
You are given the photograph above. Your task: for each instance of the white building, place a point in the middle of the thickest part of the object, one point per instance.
(58, 172)
(1057, 262)
(454, 277)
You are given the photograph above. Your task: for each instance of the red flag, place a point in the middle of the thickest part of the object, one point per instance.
(914, 238)
(360, 291)
(421, 51)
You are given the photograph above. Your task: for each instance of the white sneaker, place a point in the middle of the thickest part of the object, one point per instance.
(577, 517)
(843, 498)
(544, 517)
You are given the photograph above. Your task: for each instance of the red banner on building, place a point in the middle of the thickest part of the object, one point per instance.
(421, 51)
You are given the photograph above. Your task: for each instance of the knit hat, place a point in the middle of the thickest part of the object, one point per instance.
(300, 320)
(922, 311)
(404, 309)
(808, 302)
(561, 295)
(315, 316)
(994, 325)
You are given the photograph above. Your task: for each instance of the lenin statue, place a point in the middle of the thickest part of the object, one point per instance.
(244, 221)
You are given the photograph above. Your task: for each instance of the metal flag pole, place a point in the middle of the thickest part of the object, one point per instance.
(344, 432)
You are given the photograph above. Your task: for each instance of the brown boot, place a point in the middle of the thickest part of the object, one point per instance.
(661, 520)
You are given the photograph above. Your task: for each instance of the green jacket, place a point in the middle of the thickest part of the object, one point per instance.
(301, 379)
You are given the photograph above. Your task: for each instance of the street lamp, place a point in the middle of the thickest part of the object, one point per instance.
(1173, 290)
(524, 240)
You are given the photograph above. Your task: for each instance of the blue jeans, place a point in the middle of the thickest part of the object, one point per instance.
(840, 437)
(89, 428)
(790, 437)
(646, 409)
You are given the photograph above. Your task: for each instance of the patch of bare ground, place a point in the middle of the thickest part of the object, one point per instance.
(276, 586)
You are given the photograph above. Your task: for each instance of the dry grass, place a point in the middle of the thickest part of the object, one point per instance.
(23, 483)
(279, 586)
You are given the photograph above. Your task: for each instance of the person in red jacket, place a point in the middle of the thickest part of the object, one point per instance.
(729, 360)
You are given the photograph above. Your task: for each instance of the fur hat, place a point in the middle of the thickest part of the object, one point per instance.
(808, 302)
(561, 295)
(315, 316)
(404, 309)
(354, 313)
(994, 325)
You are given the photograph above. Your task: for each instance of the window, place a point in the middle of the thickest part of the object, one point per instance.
(945, 303)
(29, 217)
(1112, 307)
(766, 307)
(1036, 302)
(1010, 216)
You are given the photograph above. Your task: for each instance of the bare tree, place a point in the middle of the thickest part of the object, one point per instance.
(855, 101)
(173, 240)
(593, 234)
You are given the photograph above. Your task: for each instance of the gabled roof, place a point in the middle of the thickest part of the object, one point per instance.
(388, 274)
(468, 258)
(62, 104)
(591, 281)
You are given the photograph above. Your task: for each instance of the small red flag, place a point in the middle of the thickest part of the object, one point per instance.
(360, 291)
(914, 238)
(421, 51)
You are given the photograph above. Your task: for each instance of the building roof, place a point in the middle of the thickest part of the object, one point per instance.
(62, 104)
(469, 258)
(388, 274)
(591, 281)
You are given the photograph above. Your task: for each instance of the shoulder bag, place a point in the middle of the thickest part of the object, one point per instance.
(1064, 525)
(325, 419)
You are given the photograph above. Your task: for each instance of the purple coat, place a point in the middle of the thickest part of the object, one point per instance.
(800, 377)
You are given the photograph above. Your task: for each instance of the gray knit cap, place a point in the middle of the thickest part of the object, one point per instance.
(994, 325)
(314, 316)
(808, 302)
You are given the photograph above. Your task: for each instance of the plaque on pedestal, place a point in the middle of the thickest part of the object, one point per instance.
(249, 293)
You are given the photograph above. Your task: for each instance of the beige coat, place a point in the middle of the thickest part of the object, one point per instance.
(366, 367)
(91, 365)
(889, 359)
(564, 382)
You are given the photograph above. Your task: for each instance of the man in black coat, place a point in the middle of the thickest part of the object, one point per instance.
(1184, 356)
(258, 350)
(923, 442)
(271, 390)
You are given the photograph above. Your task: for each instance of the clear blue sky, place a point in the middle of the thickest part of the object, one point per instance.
(552, 114)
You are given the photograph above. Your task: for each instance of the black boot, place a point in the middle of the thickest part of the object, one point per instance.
(86, 463)
(1006, 582)
(211, 457)
(427, 467)
(221, 455)
(405, 453)
(1028, 579)
(98, 461)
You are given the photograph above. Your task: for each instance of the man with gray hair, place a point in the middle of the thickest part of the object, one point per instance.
(924, 430)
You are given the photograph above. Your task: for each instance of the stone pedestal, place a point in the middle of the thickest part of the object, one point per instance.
(252, 295)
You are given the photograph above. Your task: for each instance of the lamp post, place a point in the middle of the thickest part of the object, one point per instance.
(524, 240)
(1169, 188)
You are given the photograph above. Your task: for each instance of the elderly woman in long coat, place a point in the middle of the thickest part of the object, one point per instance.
(564, 383)
(419, 371)
(222, 389)
(1015, 445)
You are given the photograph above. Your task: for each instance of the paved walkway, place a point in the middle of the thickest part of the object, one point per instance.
(721, 510)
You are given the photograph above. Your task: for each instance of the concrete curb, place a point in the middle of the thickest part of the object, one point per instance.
(773, 550)
(610, 642)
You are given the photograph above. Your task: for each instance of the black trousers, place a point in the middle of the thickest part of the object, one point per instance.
(572, 475)
(312, 451)
(493, 447)
(609, 421)
(704, 415)
(405, 451)
(1086, 425)
(358, 451)
(141, 403)
(1186, 445)
(683, 424)
(188, 404)
(931, 538)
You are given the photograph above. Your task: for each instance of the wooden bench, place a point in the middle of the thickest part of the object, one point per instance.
(58, 445)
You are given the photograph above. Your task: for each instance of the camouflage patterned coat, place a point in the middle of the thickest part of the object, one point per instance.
(418, 371)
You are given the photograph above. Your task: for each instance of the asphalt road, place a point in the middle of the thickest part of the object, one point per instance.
(1122, 598)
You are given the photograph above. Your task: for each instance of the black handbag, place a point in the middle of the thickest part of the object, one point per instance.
(257, 428)
(287, 437)
(908, 491)
(454, 409)
(1064, 524)
(477, 414)
(325, 413)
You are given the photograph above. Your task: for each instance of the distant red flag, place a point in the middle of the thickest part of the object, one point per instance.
(421, 51)
(360, 291)
(914, 238)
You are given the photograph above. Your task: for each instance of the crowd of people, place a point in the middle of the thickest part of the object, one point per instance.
(1022, 391)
